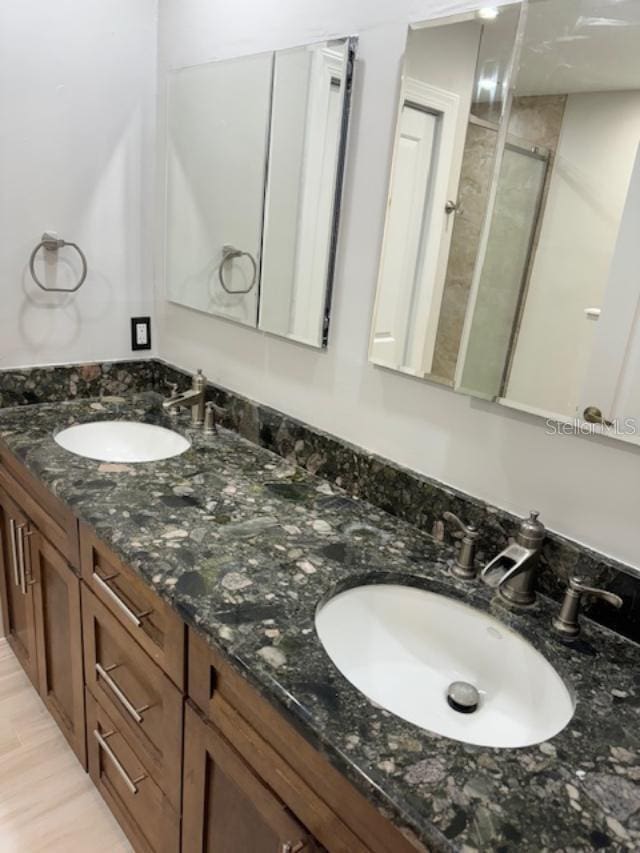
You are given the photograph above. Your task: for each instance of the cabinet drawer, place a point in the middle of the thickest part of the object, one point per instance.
(148, 619)
(127, 786)
(135, 692)
(55, 520)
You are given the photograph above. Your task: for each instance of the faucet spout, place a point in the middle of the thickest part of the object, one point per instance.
(513, 571)
(194, 399)
(184, 399)
(508, 563)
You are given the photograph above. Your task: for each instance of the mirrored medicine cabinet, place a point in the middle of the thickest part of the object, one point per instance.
(511, 251)
(255, 159)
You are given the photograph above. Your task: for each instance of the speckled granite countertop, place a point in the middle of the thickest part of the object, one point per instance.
(244, 545)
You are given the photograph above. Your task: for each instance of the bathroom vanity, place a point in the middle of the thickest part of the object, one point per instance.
(165, 613)
(250, 658)
(112, 661)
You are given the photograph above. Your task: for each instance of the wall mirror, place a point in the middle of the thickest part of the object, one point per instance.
(255, 160)
(540, 305)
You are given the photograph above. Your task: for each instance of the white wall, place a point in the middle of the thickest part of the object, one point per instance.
(589, 184)
(585, 488)
(77, 101)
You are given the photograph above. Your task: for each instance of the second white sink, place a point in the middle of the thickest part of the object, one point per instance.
(404, 647)
(122, 441)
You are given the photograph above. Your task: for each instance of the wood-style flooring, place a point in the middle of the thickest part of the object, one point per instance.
(47, 802)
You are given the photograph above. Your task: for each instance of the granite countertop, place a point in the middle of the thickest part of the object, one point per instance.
(245, 545)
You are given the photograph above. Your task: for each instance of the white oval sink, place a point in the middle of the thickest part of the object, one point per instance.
(403, 647)
(122, 441)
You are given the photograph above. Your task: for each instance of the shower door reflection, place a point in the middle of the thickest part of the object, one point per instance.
(493, 321)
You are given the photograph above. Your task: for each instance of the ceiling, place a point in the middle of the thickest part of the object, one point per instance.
(569, 46)
(580, 46)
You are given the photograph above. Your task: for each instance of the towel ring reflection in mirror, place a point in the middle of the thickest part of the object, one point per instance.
(52, 243)
(228, 254)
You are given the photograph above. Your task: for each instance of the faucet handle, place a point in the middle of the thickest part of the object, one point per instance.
(566, 622)
(211, 413)
(580, 586)
(466, 529)
(464, 566)
(199, 381)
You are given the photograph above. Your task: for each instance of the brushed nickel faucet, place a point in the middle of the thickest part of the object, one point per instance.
(464, 566)
(515, 568)
(566, 622)
(193, 399)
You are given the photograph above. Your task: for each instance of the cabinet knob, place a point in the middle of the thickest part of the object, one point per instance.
(291, 847)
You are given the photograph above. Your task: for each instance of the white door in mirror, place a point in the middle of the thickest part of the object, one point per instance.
(122, 441)
(404, 648)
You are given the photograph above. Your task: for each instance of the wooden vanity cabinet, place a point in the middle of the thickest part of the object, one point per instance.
(336, 816)
(220, 770)
(16, 587)
(41, 605)
(227, 807)
(56, 590)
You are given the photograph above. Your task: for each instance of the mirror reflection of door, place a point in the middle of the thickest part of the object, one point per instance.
(418, 233)
(439, 190)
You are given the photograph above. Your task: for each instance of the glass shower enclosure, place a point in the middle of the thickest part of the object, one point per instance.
(492, 322)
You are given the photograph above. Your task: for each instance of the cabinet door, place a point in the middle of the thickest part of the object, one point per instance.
(226, 807)
(59, 641)
(16, 587)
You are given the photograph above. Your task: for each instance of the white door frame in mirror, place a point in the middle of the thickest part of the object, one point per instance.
(422, 291)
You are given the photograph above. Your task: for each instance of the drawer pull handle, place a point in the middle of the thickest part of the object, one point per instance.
(120, 694)
(128, 612)
(290, 847)
(132, 784)
(14, 552)
(23, 575)
(28, 567)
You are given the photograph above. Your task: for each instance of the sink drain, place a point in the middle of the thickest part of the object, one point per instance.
(463, 697)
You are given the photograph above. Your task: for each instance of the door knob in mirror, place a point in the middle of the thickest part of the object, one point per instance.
(593, 415)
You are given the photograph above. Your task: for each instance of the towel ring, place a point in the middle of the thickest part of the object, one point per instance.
(228, 254)
(51, 242)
